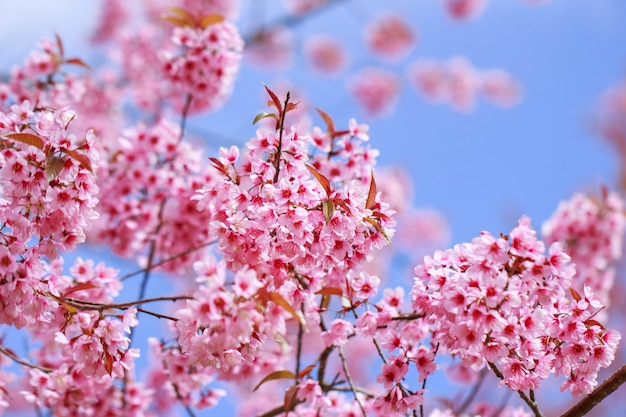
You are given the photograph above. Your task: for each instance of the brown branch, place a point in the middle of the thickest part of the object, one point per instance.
(344, 365)
(166, 260)
(533, 405)
(9, 354)
(600, 393)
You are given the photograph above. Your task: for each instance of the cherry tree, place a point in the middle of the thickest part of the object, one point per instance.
(276, 252)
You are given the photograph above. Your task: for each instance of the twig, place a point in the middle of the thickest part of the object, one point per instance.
(280, 139)
(22, 362)
(472, 393)
(88, 305)
(522, 394)
(600, 393)
(290, 20)
(166, 260)
(157, 315)
(344, 365)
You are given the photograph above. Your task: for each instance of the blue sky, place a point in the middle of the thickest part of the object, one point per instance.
(482, 170)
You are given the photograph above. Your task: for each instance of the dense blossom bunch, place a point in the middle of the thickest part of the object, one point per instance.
(457, 82)
(90, 350)
(503, 302)
(199, 61)
(272, 213)
(376, 89)
(47, 198)
(390, 37)
(326, 54)
(592, 232)
(148, 177)
(206, 67)
(465, 9)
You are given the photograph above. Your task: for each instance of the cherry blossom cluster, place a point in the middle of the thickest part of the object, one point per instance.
(148, 177)
(390, 37)
(206, 67)
(271, 212)
(592, 232)
(47, 199)
(470, 9)
(458, 83)
(503, 302)
(91, 347)
(326, 54)
(376, 89)
(191, 66)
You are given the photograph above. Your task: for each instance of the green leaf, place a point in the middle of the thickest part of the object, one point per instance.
(284, 374)
(278, 299)
(378, 228)
(27, 138)
(54, 165)
(263, 115)
(324, 182)
(328, 208)
(210, 19)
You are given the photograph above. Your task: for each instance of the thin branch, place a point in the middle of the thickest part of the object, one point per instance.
(357, 389)
(166, 260)
(157, 315)
(533, 405)
(280, 139)
(472, 393)
(299, 349)
(278, 410)
(290, 20)
(88, 305)
(597, 395)
(344, 365)
(22, 362)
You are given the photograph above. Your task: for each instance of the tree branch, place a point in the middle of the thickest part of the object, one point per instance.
(600, 393)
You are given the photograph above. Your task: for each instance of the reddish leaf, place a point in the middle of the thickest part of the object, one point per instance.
(329, 291)
(210, 19)
(284, 374)
(275, 101)
(80, 287)
(306, 371)
(263, 115)
(330, 125)
(592, 322)
(82, 159)
(324, 182)
(278, 299)
(290, 398)
(575, 294)
(77, 61)
(291, 106)
(108, 362)
(342, 204)
(27, 138)
(59, 44)
(378, 228)
(371, 195)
